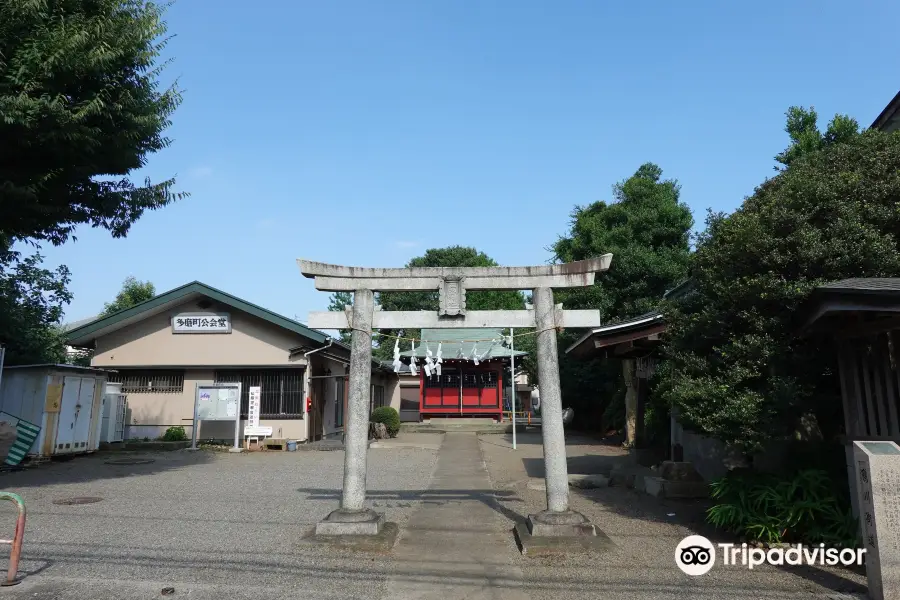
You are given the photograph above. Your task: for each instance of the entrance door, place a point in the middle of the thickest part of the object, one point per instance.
(317, 409)
(75, 415)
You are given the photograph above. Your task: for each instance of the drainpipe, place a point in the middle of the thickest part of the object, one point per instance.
(325, 347)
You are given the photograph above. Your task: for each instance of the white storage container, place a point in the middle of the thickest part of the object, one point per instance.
(63, 400)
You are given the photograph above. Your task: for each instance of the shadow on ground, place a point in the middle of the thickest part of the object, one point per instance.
(596, 456)
(102, 465)
(495, 499)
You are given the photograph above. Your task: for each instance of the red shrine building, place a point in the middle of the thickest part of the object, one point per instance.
(472, 379)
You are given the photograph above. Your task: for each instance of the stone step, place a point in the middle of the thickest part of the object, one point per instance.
(664, 488)
(482, 428)
(630, 476)
(460, 421)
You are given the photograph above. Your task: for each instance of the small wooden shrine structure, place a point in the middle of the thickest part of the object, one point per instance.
(471, 380)
(862, 317)
(635, 342)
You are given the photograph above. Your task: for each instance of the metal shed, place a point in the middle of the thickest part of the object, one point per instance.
(64, 401)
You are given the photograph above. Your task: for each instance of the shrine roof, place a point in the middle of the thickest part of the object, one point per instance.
(463, 340)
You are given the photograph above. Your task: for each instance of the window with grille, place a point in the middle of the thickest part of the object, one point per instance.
(281, 391)
(448, 378)
(487, 380)
(150, 381)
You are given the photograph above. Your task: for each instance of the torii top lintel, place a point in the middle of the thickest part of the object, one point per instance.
(338, 278)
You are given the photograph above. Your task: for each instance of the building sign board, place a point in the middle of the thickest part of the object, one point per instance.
(201, 323)
(255, 395)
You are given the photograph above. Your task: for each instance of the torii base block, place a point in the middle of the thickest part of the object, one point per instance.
(351, 522)
(530, 545)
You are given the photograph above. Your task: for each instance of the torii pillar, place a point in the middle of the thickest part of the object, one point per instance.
(353, 518)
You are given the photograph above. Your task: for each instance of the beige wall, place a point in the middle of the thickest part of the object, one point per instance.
(151, 342)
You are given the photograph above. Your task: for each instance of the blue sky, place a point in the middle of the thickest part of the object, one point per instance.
(362, 133)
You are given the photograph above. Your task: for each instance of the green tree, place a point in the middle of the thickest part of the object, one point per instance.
(736, 368)
(336, 302)
(453, 256)
(647, 230)
(81, 107)
(31, 308)
(133, 292)
(803, 130)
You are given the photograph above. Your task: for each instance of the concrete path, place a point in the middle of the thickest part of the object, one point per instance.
(458, 541)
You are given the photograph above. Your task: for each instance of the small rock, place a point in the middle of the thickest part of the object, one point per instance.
(168, 591)
(588, 481)
(679, 471)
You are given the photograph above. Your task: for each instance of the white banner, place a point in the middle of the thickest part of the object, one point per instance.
(201, 323)
(253, 410)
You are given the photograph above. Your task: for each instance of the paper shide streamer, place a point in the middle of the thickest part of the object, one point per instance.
(412, 360)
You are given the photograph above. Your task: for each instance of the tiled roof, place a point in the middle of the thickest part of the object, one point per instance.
(885, 284)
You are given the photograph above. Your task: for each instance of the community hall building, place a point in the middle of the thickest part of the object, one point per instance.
(159, 350)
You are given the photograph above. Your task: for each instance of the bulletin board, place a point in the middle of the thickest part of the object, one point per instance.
(217, 402)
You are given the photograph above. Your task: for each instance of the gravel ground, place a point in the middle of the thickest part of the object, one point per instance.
(645, 531)
(217, 525)
(209, 518)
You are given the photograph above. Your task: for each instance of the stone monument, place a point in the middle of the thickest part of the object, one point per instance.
(878, 488)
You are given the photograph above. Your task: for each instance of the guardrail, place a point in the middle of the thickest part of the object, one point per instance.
(16, 542)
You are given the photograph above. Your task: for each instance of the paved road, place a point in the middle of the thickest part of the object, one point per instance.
(457, 540)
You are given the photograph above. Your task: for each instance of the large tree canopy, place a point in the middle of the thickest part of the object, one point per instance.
(736, 368)
(132, 292)
(80, 108)
(647, 230)
(31, 306)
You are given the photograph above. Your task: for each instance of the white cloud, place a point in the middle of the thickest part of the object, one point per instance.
(201, 172)
(405, 244)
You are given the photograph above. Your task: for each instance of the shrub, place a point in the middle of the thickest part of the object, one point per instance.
(174, 434)
(390, 418)
(805, 508)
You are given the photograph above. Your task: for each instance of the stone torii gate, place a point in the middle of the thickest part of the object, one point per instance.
(452, 283)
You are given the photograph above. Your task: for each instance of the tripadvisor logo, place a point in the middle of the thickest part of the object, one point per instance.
(696, 555)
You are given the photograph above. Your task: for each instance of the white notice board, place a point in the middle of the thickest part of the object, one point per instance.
(217, 402)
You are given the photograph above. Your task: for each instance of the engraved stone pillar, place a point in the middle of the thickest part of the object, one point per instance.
(878, 486)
